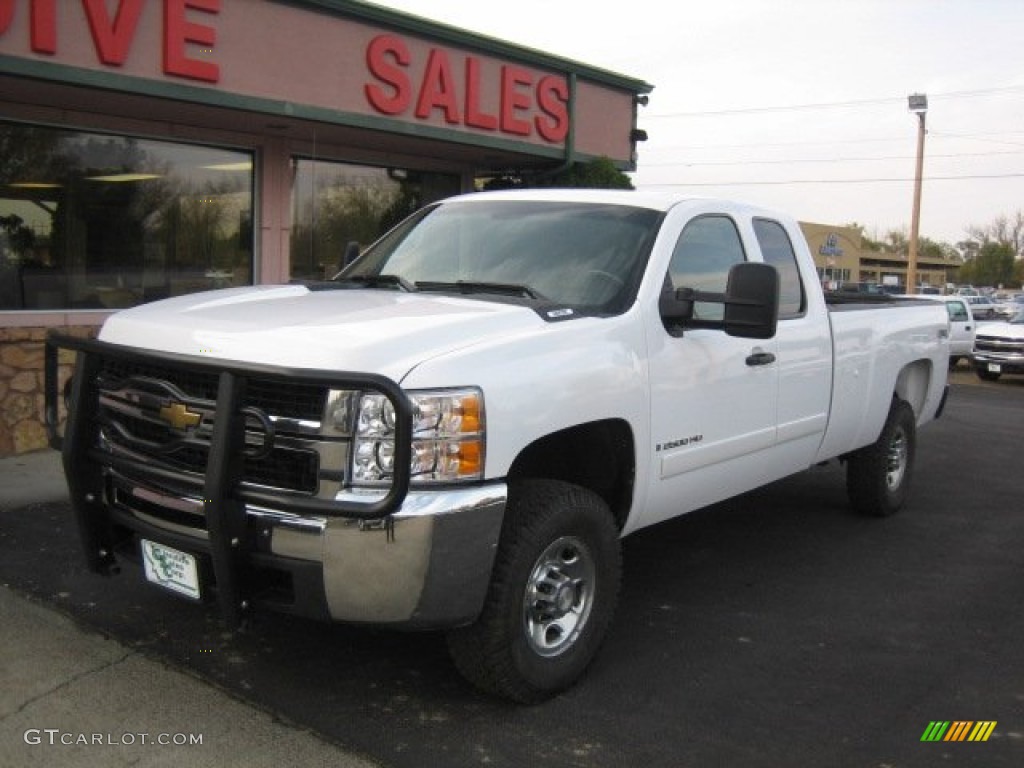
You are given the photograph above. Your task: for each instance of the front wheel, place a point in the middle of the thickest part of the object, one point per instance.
(878, 475)
(552, 594)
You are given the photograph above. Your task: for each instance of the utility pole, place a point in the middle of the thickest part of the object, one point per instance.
(918, 103)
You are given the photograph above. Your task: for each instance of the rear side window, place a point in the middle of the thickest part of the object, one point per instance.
(957, 311)
(777, 250)
(704, 253)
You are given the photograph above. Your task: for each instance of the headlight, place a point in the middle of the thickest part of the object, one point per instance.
(448, 437)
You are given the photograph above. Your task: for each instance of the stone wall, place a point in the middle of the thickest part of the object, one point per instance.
(21, 386)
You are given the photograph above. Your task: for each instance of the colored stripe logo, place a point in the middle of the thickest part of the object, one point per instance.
(958, 730)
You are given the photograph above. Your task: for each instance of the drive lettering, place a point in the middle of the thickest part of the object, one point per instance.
(113, 27)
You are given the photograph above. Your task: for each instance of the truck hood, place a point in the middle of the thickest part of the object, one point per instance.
(361, 330)
(1005, 330)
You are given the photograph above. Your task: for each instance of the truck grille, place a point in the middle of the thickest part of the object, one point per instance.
(164, 415)
(996, 345)
(294, 401)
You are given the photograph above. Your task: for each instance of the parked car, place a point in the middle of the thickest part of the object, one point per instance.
(962, 325)
(999, 348)
(962, 328)
(982, 307)
(1010, 306)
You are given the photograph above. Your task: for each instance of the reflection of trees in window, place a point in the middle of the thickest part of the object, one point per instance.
(202, 227)
(30, 154)
(20, 238)
(116, 220)
(338, 215)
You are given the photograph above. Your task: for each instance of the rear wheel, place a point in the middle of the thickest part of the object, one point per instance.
(552, 594)
(878, 475)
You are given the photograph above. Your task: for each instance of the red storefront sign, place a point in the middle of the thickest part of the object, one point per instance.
(453, 86)
(112, 37)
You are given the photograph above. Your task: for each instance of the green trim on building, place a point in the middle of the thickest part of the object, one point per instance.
(111, 81)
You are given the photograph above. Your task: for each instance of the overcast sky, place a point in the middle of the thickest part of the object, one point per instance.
(802, 104)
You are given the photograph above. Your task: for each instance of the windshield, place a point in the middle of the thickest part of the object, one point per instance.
(584, 255)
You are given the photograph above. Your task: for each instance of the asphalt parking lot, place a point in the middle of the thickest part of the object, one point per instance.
(777, 629)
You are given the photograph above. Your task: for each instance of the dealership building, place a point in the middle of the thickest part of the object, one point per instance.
(151, 149)
(842, 257)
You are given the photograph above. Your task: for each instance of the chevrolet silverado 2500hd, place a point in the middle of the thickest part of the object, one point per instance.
(999, 348)
(458, 429)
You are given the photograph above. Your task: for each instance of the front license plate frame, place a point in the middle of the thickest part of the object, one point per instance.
(995, 368)
(171, 569)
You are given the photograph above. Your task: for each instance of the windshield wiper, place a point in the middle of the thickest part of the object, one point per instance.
(379, 281)
(471, 286)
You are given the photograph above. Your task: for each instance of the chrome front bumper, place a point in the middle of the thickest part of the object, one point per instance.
(427, 565)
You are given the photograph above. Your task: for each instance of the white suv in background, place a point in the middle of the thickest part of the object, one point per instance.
(962, 325)
(982, 307)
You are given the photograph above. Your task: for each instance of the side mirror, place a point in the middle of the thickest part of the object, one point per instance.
(751, 301)
(351, 254)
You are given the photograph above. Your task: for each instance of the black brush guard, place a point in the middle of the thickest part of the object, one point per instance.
(225, 498)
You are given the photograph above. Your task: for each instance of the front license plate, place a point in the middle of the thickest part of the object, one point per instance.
(995, 368)
(171, 569)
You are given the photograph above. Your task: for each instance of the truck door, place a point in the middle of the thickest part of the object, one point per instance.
(713, 396)
(803, 344)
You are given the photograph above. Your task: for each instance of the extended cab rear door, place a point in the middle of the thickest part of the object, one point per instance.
(803, 344)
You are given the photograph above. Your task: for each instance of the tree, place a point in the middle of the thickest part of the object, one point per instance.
(1004, 230)
(599, 173)
(994, 265)
(934, 249)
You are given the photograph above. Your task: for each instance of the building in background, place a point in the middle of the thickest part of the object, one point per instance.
(153, 149)
(842, 258)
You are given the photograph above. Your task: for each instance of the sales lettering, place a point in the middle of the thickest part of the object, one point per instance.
(453, 88)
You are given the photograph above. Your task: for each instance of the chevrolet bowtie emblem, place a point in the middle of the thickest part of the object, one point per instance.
(179, 417)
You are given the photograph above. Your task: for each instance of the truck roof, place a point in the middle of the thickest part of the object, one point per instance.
(655, 200)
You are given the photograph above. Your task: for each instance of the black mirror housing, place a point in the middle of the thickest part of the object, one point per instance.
(751, 302)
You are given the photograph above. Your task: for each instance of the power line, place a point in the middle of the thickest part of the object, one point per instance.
(719, 163)
(832, 104)
(833, 142)
(830, 181)
(976, 137)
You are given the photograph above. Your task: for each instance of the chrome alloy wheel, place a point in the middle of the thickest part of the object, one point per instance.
(896, 460)
(559, 596)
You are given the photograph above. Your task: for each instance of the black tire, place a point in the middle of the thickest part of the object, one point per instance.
(987, 375)
(552, 594)
(878, 475)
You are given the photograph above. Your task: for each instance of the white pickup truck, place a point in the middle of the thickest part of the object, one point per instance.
(457, 431)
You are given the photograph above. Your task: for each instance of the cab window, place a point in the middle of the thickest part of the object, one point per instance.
(777, 250)
(957, 311)
(704, 253)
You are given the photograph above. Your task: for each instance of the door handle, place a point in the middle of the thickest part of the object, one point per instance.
(760, 358)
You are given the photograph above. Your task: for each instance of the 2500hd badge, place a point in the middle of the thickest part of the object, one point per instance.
(678, 443)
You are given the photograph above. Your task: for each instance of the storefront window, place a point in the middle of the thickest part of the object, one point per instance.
(340, 208)
(96, 221)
